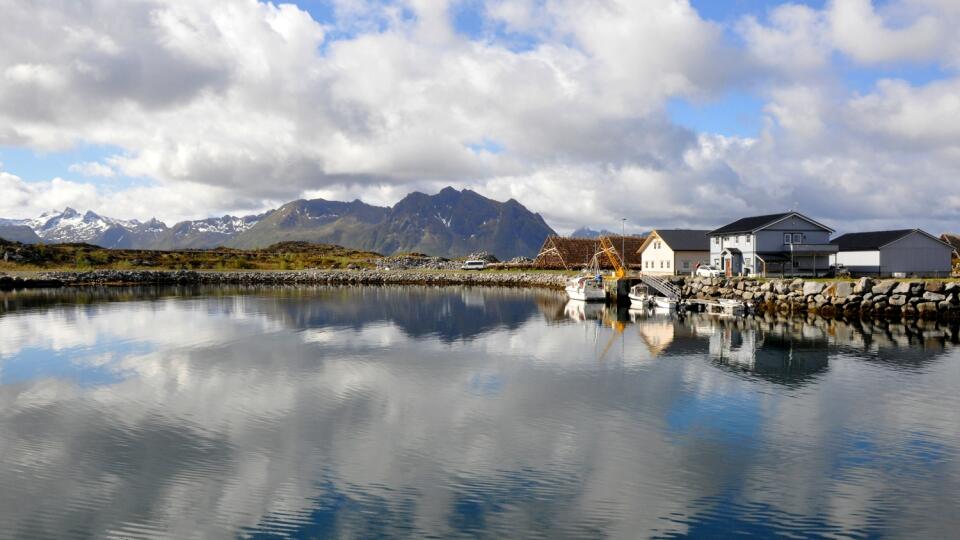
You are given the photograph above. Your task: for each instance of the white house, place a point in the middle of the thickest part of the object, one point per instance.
(882, 253)
(674, 251)
(787, 243)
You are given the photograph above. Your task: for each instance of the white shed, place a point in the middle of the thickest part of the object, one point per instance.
(882, 253)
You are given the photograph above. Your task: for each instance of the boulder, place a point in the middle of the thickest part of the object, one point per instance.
(904, 287)
(933, 286)
(951, 288)
(884, 287)
(840, 289)
(812, 288)
(796, 285)
(926, 308)
(863, 285)
(898, 300)
(934, 297)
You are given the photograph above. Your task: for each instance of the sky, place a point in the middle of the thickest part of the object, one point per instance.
(670, 113)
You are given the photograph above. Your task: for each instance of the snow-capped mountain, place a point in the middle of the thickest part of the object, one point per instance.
(71, 226)
(205, 233)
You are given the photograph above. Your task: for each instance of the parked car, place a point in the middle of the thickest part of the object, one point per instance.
(709, 271)
(473, 265)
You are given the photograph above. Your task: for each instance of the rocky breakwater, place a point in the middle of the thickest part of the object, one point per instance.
(306, 277)
(863, 298)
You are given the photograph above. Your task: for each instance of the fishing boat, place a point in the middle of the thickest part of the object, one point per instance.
(586, 289)
(662, 302)
(640, 297)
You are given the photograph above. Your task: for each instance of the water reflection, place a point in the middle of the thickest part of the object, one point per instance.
(321, 411)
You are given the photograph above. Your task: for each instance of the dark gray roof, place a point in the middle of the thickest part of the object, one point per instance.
(750, 224)
(685, 239)
(869, 240)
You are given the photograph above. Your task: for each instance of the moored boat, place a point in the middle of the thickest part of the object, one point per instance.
(662, 302)
(586, 289)
(640, 297)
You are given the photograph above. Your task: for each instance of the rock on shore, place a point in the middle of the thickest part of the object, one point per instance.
(863, 298)
(313, 277)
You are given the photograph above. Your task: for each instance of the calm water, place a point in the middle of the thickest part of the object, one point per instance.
(384, 412)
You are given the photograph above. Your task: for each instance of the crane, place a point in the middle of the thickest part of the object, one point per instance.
(606, 247)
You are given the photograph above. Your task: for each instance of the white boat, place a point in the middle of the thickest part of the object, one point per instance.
(586, 289)
(640, 297)
(662, 302)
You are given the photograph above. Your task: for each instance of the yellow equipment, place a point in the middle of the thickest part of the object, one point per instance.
(606, 247)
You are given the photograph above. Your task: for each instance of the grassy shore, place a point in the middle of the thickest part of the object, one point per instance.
(82, 257)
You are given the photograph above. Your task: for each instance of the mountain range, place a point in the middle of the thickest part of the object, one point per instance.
(450, 223)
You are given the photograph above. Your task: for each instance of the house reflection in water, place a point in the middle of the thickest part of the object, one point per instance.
(782, 353)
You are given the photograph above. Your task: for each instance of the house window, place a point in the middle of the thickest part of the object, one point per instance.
(668, 264)
(729, 239)
(797, 238)
(787, 238)
(748, 238)
(796, 264)
(716, 262)
(716, 240)
(686, 265)
(746, 262)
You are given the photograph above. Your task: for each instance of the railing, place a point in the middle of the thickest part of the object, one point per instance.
(661, 285)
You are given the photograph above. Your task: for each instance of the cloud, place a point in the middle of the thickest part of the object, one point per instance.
(238, 105)
(858, 30)
(93, 168)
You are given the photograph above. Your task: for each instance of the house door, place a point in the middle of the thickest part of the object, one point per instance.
(729, 262)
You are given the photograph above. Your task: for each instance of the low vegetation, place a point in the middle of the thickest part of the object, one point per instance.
(281, 256)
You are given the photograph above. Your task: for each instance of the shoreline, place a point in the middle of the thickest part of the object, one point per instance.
(53, 279)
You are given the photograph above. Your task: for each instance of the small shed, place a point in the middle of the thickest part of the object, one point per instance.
(882, 253)
(563, 253)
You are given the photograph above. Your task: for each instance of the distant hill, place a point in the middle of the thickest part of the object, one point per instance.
(450, 223)
(19, 233)
(587, 232)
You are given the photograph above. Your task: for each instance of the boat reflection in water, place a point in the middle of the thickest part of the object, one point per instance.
(375, 412)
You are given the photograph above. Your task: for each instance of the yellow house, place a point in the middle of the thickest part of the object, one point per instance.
(674, 251)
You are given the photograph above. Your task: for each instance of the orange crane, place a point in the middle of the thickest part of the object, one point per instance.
(606, 247)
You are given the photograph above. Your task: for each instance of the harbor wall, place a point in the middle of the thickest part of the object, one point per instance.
(866, 297)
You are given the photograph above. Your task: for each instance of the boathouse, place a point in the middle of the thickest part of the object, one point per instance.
(884, 253)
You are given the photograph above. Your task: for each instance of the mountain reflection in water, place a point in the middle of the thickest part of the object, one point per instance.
(418, 411)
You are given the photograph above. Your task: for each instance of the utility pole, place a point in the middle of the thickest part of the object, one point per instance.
(623, 241)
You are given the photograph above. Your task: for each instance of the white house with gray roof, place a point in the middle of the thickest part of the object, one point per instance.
(883, 253)
(788, 243)
(674, 251)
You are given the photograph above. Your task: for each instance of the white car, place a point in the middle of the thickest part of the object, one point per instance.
(473, 265)
(709, 271)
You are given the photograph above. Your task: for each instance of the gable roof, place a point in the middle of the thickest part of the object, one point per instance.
(681, 239)
(751, 224)
(863, 241)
